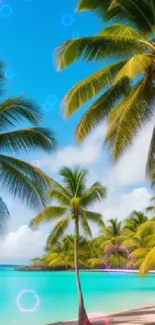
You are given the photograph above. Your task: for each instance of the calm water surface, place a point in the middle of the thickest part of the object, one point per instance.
(56, 291)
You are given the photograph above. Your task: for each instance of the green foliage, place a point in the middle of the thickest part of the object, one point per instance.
(21, 179)
(74, 201)
(132, 240)
(124, 90)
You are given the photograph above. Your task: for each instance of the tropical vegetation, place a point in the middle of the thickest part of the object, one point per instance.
(74, 201)
(21, 179)
(129, 243)
(123, 90)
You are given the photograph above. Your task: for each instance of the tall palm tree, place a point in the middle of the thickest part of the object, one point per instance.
(74, 200)
(21, 179)
(125, 87)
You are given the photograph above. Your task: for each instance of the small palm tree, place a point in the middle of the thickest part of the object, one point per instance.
(132, 223)
(62, 254)
(21, 179)
(112, 233)
(74, 200)
(125, 87)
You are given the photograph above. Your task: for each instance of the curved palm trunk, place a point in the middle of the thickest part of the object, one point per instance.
(82, 316)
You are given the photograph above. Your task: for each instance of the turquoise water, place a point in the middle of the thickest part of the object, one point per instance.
(56, 291)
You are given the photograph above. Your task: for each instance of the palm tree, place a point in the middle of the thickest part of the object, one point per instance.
(132, 223)
(62, 254)
(74, 200)
(21, 179)
(125, 87)
(112, 234)
(144, 247)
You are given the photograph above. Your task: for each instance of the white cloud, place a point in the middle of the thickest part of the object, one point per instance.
(130, 169)
(23, 244)
(120, 205)
(87, 154)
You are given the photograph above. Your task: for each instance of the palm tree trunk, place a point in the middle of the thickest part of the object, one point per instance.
(82, 316)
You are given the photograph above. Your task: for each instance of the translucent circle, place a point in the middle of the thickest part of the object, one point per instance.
(117, 248)
(67, 20)
(5, 11)
(75, 34)
(27, 310)
(9, 74)
(52, 100)
(47, 107)
(36, 163)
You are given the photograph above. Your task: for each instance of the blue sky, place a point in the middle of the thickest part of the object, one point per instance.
(30, 35)
(30, 31)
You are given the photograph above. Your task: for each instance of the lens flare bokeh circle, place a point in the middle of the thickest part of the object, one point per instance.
(27, 310)
(117, 248)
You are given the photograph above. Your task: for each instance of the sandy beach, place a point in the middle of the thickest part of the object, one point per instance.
(141, 316)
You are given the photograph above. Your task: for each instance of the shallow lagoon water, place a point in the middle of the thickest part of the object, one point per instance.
(57, 299)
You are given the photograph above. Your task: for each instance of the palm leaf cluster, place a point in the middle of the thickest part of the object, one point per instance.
(123, 90)
(74, 201)
(21, 179)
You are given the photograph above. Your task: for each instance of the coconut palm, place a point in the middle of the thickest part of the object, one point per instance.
(132, 223)
(21, 179)
(125, 87)
(112, 234)
(74, 201)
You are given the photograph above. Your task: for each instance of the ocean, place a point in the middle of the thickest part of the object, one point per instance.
(39, 298)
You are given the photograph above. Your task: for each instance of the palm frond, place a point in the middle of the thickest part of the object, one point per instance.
(25, 139)
(96, 48)
(47, 214)
(149, 262)
(101, 108)
(121, 31)
(75, 181)
(85, 226)
(60, 195)
(59, 230)
(150, 166)
(138, 13)
(16, 109)
(138, 64)
(29, 170)
(20, 185)
(4, 218)
(90, 87)
(138, 109)
(94, 217)
(95, 193)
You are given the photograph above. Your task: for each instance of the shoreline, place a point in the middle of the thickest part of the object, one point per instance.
(46, 269)
(140, 316)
